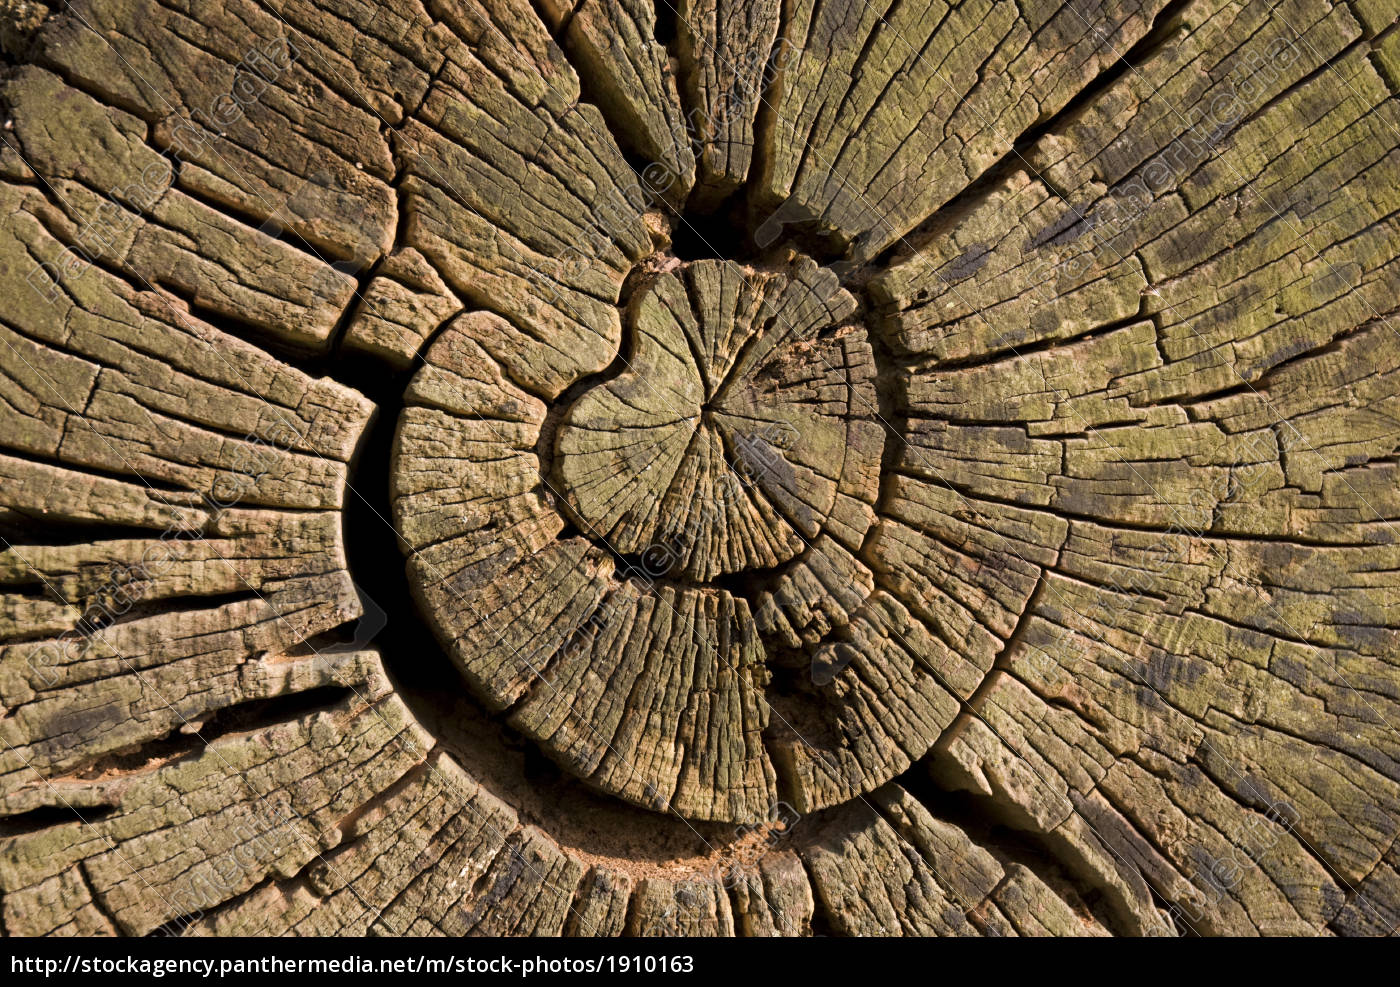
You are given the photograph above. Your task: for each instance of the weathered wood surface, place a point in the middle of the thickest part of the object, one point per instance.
(913, 470)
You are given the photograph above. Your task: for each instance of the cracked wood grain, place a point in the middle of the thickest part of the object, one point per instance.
(473, 467)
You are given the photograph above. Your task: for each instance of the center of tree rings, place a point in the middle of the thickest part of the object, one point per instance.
(722, 445)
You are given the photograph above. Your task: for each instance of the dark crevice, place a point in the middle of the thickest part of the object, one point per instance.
(180, 497)
(664, 31)
(157, 291)
(1165, 908)
(1164, 26)
(102, 608)
(36, 821)
(719, 234)
(796, 724)
(261, 714)
(181, 923)
(177, 745)
(1251, 800)
(822, 923)
(53, 530)
(326, 252)
(978, 817)
(559, 408)
(296, 354)
(894, 422)
(95, 898)
(631, 919)
(916, 363)
(19, 29)
(1002, 662)
(700, 228)
(363, 277)
(1169, 20)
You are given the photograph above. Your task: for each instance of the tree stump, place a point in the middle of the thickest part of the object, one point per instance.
(603, 468)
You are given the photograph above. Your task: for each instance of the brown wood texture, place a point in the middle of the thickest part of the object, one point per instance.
(612, 468)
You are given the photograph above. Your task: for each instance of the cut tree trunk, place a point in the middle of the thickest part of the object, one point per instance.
(483, 467)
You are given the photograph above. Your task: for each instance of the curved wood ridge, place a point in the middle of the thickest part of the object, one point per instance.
(531, 467)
